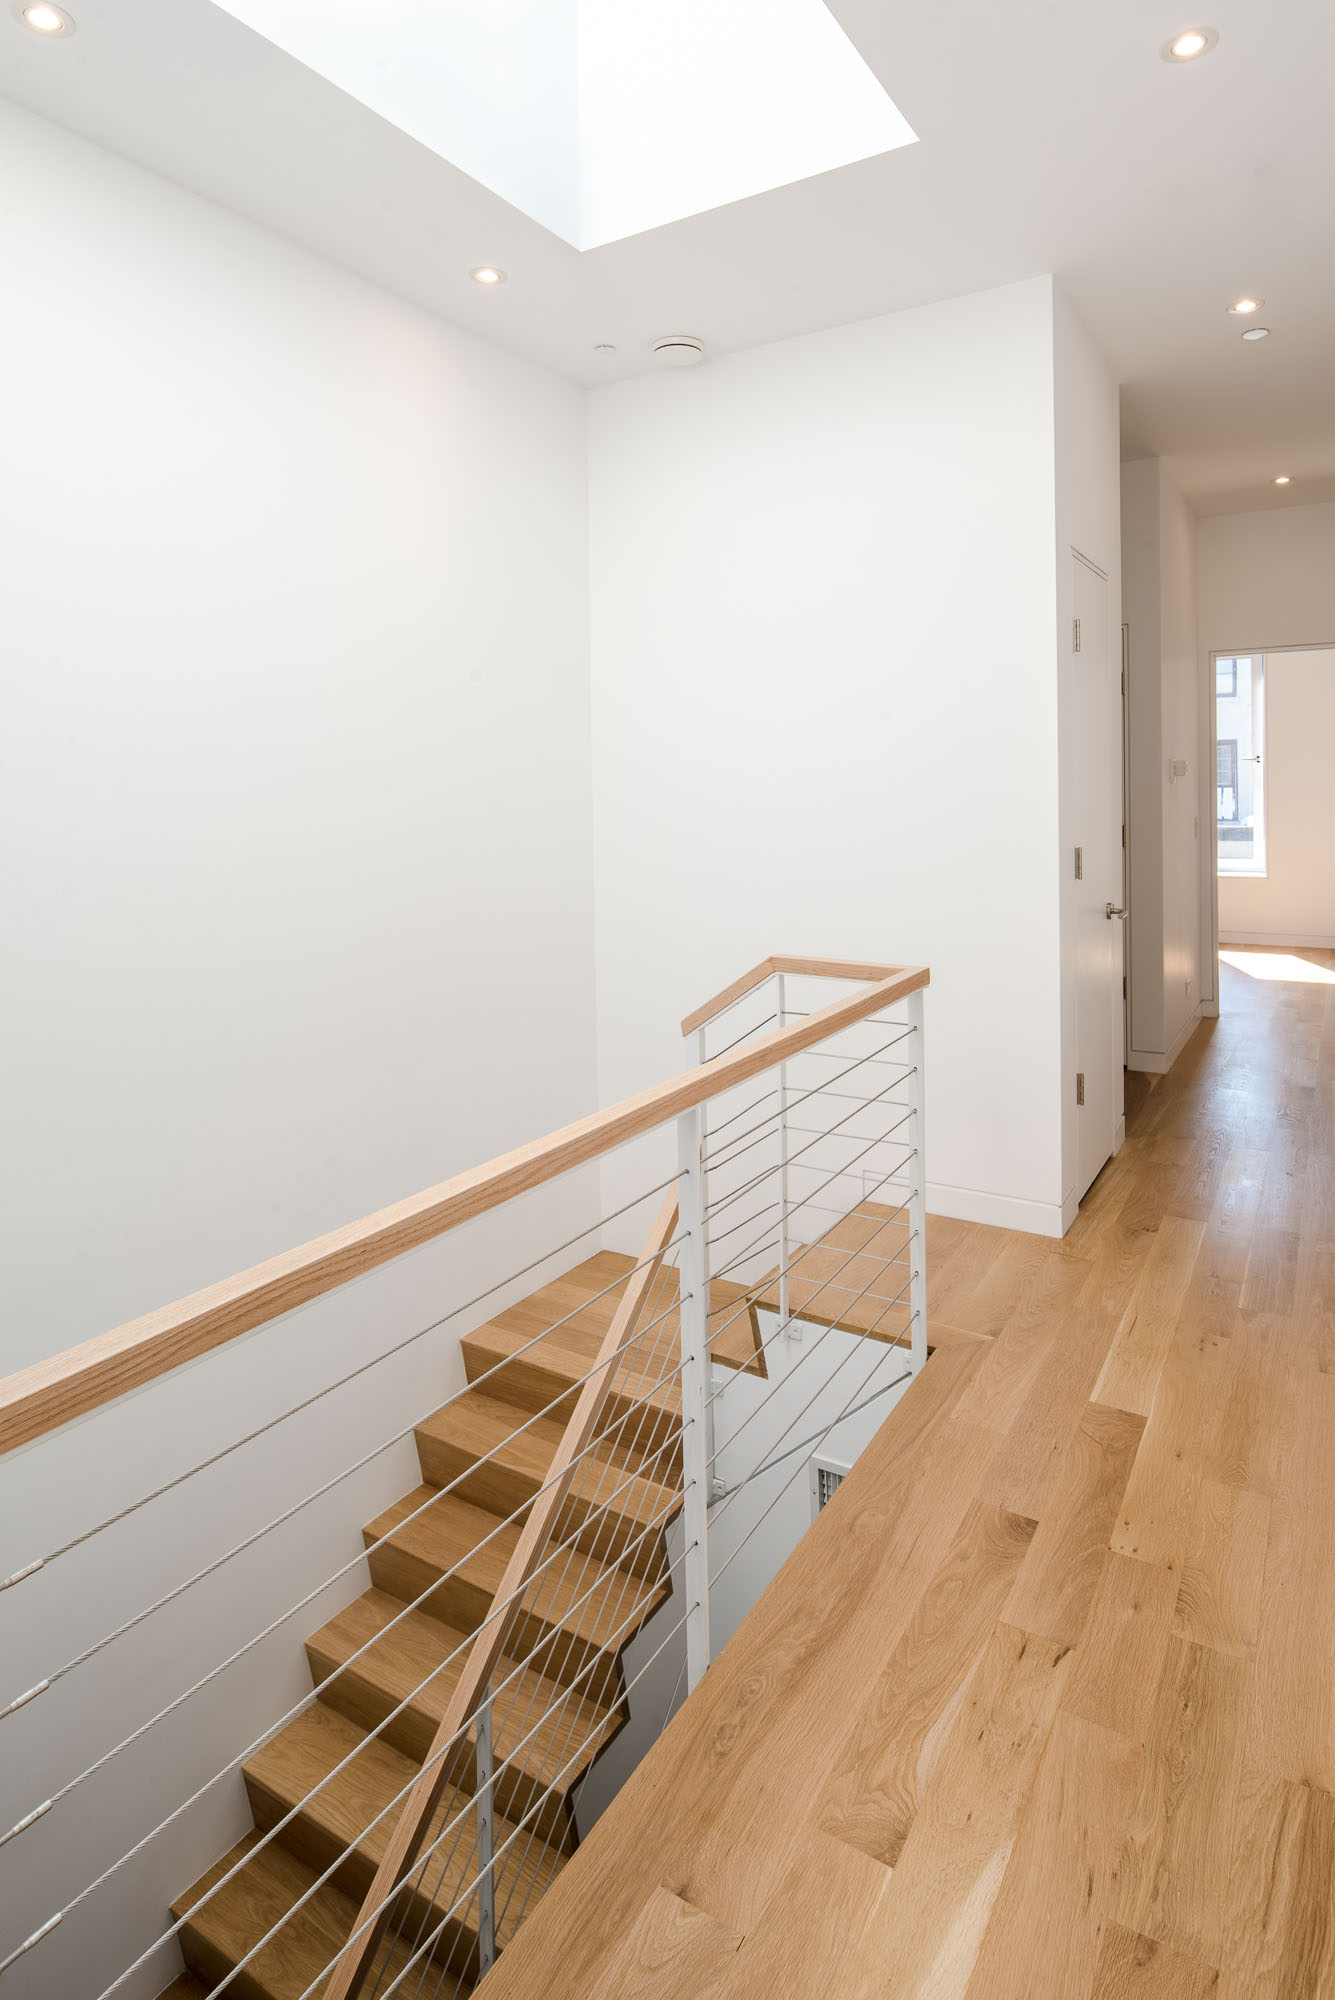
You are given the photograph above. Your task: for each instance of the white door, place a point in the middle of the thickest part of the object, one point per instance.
(1095, 707)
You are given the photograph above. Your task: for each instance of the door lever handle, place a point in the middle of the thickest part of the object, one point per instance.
(1110, 912)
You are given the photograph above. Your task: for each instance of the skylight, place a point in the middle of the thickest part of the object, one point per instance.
(602, 118)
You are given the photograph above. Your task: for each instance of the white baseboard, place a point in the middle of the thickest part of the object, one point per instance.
(1001, 1211)
(1294, 940)
(1119, 1136)
(1157, 1062)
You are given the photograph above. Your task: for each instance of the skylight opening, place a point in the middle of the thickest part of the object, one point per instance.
(603, 118)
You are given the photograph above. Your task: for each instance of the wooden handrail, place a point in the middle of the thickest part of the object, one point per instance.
(41, 1398)
(819, 968)
(410, 1829)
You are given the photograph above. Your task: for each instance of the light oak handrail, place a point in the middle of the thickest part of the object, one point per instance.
(819, 968)
(52, 1392)
(410, 1829)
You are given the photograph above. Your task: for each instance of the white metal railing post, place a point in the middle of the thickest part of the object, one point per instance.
(486, 1839)
(693, 1264)
(790, 1326)
(917, 1190)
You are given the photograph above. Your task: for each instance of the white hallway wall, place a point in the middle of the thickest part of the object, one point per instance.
(824, 622)
(1267, 581)
(1087, 442)
(1166, 850)
(298, 920)
(297, 793)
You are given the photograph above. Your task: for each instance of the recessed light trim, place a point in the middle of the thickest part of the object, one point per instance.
(1257, 333)
(1190, 45)
(488, 274)
(1283, 479)
(1246, 305)
(42, 18)
(604, 347)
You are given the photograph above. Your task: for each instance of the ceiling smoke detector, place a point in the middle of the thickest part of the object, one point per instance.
(679, 350)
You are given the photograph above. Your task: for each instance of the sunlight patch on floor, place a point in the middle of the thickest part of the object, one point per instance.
(1277, 965)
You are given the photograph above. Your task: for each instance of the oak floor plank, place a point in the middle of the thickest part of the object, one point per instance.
(817, 1954)
(873, 1792)
(1175, 1863)
(1140, 1968)
(1279, 1942)
(1120, 1659)
(925, 1934)
(669, 1945)
(1046, 1932)
(1219, 1591)
(1293, 1723)
(1130, 1374)
(1022, 1341)
(1058, 1576)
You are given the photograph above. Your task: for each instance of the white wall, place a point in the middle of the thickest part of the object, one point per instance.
(298, 900)
(1267, 581)
(823, 646)
(1294, 901)
(1166, 824)
(1088, 523)
(296, 827)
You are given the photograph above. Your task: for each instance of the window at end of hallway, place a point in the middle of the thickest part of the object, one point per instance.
(1240, 763)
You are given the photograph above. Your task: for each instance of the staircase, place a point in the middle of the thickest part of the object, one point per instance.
(446, 1555)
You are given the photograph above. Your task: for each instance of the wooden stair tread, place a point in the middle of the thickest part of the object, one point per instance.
(576, 1593)
(829, 1284)
(340, 1815)
(412, 1653)
(226, 1928)
(477, 1427)
(572, 1318)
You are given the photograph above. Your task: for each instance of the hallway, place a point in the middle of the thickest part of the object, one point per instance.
(1043, 1708)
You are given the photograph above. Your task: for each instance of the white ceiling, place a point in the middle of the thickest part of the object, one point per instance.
(1051, 137)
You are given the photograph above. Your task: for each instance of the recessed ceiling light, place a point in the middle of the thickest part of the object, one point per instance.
(487, 274)
(43, 19)
(1246, 305)
(1283, 479)
(1192, 42)
(1256, 333)
(604, 347)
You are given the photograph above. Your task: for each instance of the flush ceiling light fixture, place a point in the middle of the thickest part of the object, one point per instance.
(1192, 42)
(43, 19)
(1283, 479)
(1246, 305)
(1256, 333)
(487, 274)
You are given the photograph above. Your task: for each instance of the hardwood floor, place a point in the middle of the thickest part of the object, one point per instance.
(1043, 1707)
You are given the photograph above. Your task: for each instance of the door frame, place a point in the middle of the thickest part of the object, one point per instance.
(1209, 765)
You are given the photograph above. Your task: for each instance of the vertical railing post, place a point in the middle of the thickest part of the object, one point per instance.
(486, 1838)
(695, 1451)
(792, 1328)
(917, 1189)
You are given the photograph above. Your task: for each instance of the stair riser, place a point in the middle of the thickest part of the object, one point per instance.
(413, 1731)
(211, 1965)
(529, 1383)
(319, 1847)
(456, 1601)
(612, 1535)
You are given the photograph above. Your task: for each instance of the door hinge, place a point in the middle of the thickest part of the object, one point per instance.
(1080, 1086)
(1124, 834)
(1079, 864)
(1124, 986)
(1075, 635)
